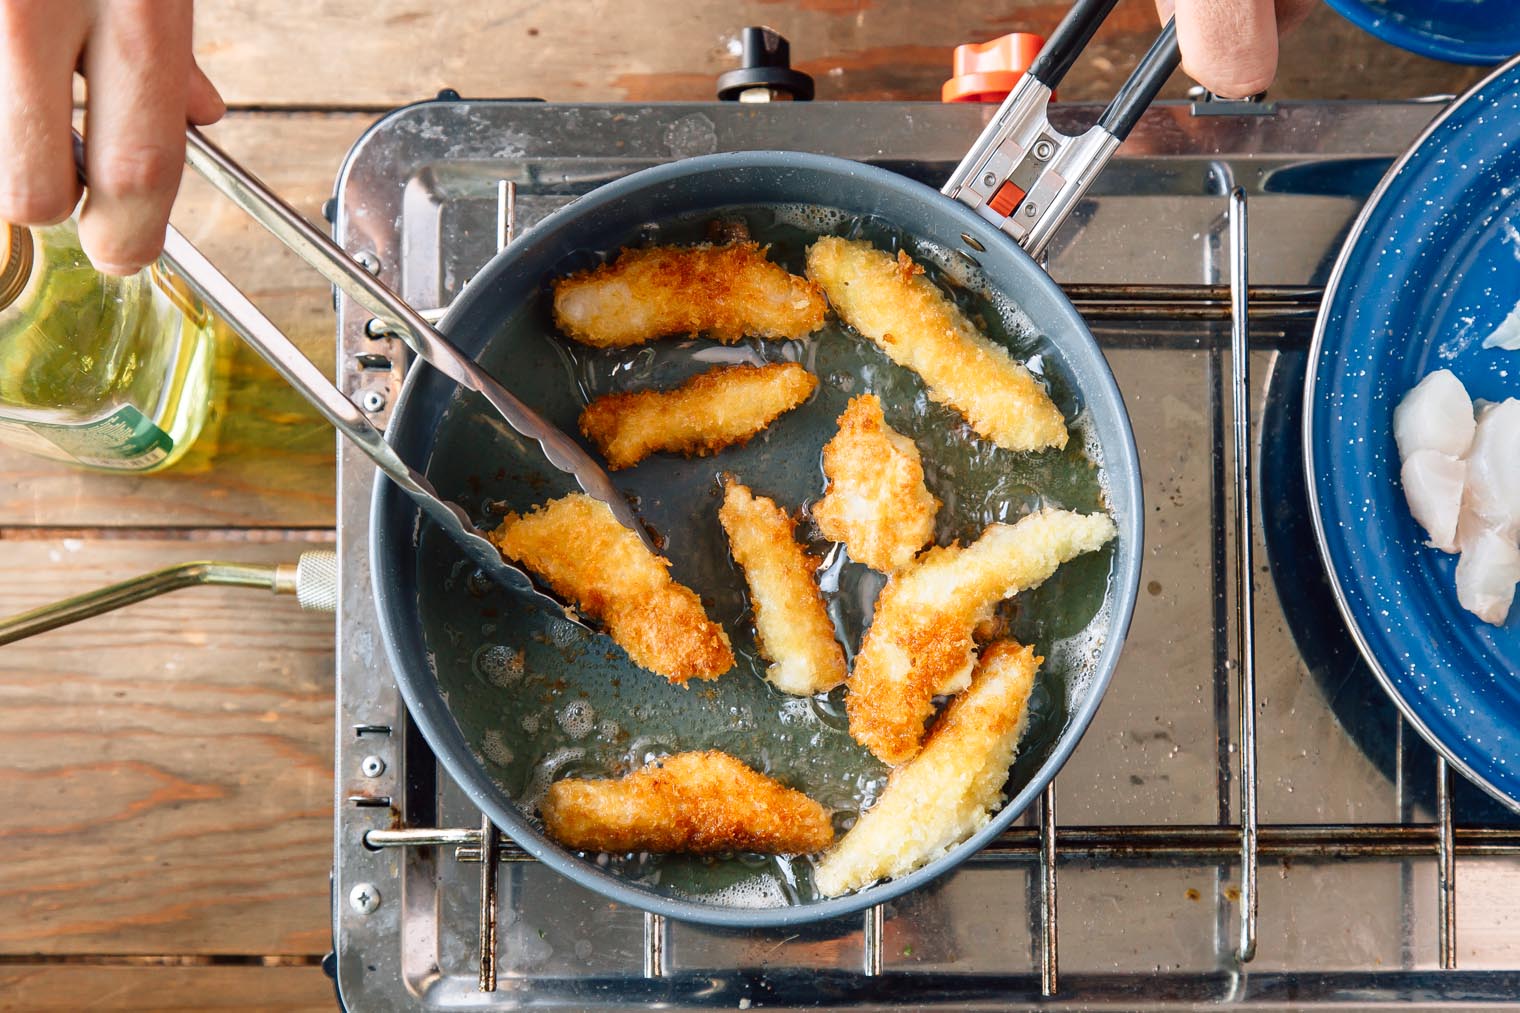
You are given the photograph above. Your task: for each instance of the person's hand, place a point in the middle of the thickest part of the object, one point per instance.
(1230, 46)
(143, 86)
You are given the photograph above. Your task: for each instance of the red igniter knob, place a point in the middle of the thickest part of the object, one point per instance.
(987, 71)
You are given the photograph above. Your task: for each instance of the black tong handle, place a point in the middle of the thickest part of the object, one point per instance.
(1142, 86)
(1072, 36)
(1068, 40)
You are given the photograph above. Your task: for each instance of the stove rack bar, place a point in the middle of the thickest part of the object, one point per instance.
(1280, 303)
(1046, 843)
(1139, 843)
(1245, 539)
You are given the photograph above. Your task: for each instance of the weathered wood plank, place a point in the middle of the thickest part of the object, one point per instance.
(167, 770)
(266, 458)
(360, 52)
(38, 987)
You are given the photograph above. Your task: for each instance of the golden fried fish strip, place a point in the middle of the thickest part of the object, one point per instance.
(948, 791)
(578, 548)
(725, 292)
(690, 802)
(794, 630)
(876, 503)
(919, 327)
(712, 410)
(920, 642)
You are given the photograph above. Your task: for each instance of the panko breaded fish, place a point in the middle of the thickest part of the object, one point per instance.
(795, 633)
(889, 301)
(876, 503)
(949, 790)
(724, 292)
(578, 548)
(920, 644)
(698, 803)
(707, 413)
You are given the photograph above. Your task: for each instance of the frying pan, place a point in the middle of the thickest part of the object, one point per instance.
(1428, 269)
(509, 692)
(508, 699)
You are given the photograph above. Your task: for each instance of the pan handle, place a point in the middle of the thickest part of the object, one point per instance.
(1022, 174)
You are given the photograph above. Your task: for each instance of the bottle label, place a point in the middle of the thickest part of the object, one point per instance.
(126, 439)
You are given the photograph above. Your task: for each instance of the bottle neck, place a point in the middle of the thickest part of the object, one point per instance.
(16, 253)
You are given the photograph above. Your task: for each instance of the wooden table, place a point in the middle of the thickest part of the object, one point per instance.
(167, 771)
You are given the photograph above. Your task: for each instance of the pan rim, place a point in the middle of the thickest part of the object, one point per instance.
(1120, 461)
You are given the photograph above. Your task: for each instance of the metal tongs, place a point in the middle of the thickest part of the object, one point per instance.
(294, 231)
(1025, 176)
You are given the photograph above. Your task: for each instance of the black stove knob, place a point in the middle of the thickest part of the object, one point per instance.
(765, 71)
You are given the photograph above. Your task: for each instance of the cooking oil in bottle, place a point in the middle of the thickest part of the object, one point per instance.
(111, 373)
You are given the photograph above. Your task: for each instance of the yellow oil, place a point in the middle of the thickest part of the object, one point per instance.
(110, 373)
(539, 699)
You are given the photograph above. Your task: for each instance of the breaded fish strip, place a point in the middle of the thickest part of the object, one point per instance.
(877, 503)
(918, 326)
(948, 791)
(920, 642)
(578, 548)
(725, 292)
(690, 802)
(794, 630)
(712, 410)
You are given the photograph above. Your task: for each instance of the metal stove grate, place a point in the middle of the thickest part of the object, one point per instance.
(1241, 843)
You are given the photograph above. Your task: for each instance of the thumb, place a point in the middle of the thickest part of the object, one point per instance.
(203, 103)
(1228, 46)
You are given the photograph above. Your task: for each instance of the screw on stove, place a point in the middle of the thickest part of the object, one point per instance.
(368, 261)
(364, 898)
(372, 766)
(372, 401)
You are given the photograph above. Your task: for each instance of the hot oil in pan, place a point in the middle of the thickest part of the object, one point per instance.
(540, 700)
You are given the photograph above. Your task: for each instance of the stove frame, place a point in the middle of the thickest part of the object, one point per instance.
(433, 189)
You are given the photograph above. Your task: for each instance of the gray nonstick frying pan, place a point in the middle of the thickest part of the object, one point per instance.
(510, 697)
(511, 693)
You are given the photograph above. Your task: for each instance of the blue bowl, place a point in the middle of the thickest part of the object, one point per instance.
(1479, 32)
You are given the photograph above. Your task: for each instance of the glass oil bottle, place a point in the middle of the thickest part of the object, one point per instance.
(107, 372)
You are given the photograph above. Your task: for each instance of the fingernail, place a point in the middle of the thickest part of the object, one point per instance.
(120, 270)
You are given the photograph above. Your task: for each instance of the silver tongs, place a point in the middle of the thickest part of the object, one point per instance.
(294, 231)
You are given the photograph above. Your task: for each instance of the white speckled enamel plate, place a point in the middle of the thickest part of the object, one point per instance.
(1431, 267)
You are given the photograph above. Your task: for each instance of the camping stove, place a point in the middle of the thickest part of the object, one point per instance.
(1305, 849)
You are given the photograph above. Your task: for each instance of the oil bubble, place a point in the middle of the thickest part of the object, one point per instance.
(577, 718)
(498, 664)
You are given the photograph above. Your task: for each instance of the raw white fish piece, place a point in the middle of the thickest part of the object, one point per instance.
(1436, 415)
(1507, 334)
(1470, 527)
(1486, 574)
(1433, 486)
(1493, 469)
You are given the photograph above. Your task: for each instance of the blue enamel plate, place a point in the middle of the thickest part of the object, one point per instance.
(1459, 31)
(1430, 268)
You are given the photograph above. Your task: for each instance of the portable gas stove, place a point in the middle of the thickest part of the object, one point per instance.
(1306, 849)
